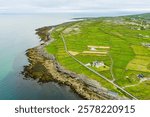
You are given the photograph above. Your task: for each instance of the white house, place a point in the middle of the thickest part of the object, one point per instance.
(98, 64)
(92, 49)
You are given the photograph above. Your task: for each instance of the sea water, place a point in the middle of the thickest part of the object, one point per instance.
(17, 34)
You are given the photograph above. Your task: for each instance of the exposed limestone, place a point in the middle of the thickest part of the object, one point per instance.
(45, 68)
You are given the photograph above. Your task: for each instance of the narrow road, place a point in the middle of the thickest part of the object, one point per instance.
(66, 50)
(142, 80)
(111, 68)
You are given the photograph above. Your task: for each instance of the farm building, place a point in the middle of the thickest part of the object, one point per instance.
(98, 64)
(146, 44)
(140, 76)
(92, 49)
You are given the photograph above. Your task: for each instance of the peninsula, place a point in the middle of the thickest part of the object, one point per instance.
(99, 58)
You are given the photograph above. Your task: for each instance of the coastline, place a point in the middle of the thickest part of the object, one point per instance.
(44, 67)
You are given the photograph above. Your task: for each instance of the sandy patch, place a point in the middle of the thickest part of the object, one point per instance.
(73, 53)
(103, 47)
(94, 52)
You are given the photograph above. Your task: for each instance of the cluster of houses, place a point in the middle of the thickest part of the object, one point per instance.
(138, 24)
(96, 64)
(94, 49)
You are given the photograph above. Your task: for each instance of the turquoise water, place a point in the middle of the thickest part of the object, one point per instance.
(16, 36)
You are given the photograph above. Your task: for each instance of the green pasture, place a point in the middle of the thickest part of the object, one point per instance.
(129, 57)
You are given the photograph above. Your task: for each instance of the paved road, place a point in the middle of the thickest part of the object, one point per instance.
(65, 47)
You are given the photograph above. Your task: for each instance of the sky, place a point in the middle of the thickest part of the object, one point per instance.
(47, 6)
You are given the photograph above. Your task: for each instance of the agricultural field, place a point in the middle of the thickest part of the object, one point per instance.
(115, 47)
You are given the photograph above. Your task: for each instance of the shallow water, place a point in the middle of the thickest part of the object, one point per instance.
(16, 36)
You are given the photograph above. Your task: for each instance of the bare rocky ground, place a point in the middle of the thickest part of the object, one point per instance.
(45, 68)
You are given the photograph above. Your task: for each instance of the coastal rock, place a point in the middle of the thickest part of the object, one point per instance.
(45, 68)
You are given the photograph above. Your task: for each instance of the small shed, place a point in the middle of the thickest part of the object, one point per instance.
(92, 49)
(140, 76)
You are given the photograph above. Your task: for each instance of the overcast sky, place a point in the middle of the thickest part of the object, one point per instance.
(43, 6)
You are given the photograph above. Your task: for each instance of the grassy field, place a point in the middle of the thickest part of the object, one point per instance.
(121, 34)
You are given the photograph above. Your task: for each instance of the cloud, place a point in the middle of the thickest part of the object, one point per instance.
(36, 6)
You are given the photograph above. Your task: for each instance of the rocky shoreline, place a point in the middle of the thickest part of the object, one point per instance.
(45, 68)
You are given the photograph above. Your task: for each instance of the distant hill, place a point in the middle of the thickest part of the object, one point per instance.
(145, 16)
